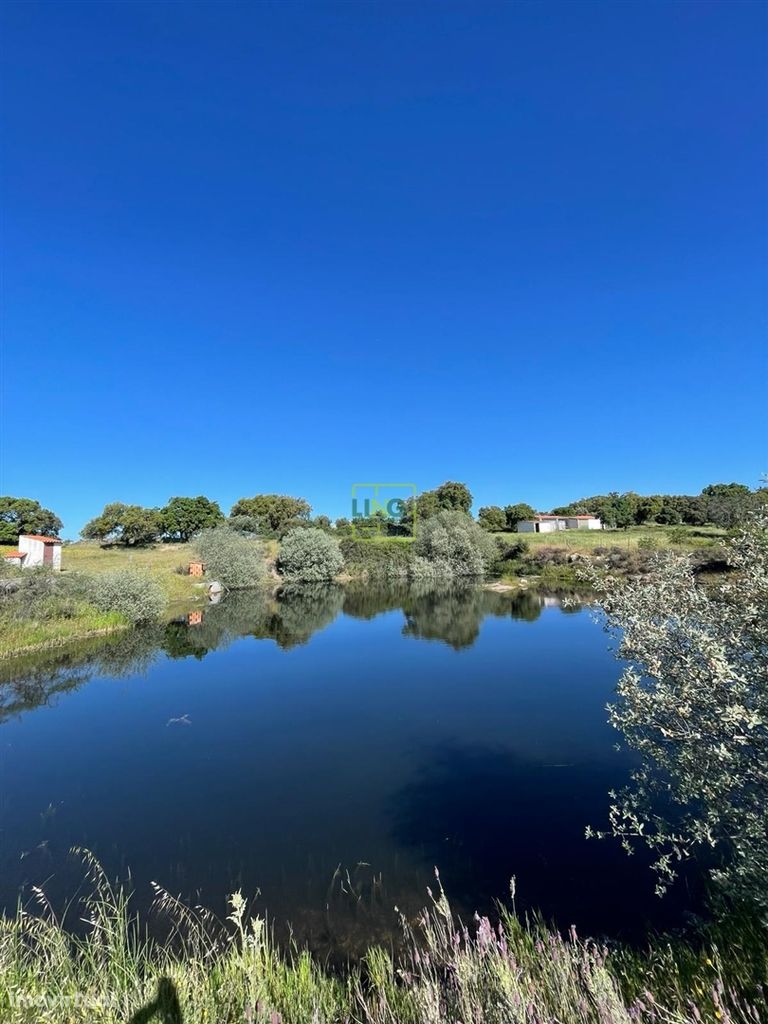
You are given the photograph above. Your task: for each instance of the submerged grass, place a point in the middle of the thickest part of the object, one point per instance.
(212, 971)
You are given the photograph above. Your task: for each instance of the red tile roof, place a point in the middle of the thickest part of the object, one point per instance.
(14, 554)
(564, 516)
(39, 536)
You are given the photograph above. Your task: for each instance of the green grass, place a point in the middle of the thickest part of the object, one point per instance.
(587, 540)
(159, 560)
(19, 636)
(511, 972)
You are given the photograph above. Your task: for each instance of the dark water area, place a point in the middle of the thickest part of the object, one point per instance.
(326, 749)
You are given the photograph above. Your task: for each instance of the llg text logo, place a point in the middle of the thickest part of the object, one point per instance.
(381, 508)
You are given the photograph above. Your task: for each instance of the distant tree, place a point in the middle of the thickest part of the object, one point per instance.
(492, 518)
(450, 496)
(183, 517)
(692, 507)
(140, 525)
(514, 513)
(343, 527)
(453, 496)
(322, 522)
(24, 515)
(274, 510)
(669, 514)
(125, 524)
(107, 525)
(648, 509)
(732, 490)
(625, 510)
(727, 505)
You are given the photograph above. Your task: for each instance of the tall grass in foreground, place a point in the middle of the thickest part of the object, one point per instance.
(210, 971)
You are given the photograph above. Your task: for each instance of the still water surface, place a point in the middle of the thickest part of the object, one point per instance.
(328, 749)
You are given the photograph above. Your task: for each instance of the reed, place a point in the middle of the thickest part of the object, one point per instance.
(207, 970)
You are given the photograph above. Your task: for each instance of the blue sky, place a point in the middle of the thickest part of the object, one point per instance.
(288, 247)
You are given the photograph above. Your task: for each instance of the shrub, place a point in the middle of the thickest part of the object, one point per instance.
(421, 568)
(133, 594)
(454, 544)
(309, 555)
(233, 559)
(678, 535)
(648, 543)
(382, 559)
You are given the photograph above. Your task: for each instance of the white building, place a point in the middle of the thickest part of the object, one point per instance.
(552, 524)
(35, 549)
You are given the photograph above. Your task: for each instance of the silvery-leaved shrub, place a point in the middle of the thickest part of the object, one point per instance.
(309, 555)
(232, 558)
(693, 702)
(135, 595)
(454, 544)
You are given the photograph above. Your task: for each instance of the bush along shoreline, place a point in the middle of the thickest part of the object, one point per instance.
(445, 970)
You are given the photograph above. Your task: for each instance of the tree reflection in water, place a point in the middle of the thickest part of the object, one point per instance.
(451, 614)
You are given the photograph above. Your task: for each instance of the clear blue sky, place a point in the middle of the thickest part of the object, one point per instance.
(289, 247)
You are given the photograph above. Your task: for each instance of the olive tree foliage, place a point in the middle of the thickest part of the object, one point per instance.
(694, 703)
(235, 560)
(135, 595)
(309, 555)
(452, 544)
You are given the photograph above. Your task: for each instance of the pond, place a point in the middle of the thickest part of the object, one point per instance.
(327, 748)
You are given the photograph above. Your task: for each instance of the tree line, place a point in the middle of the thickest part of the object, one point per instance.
(723, 504)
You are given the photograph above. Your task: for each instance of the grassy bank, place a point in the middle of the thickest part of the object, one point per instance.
(24, 637)
(446, 973)
(159, 560)
(682, 538)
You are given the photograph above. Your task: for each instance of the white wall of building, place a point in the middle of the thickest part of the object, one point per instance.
(34, 551)
(548, 526)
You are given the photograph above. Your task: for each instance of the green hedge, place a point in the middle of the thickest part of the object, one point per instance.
(380, 558)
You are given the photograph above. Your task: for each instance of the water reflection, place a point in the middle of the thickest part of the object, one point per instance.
(290, 617)
(339, 743)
